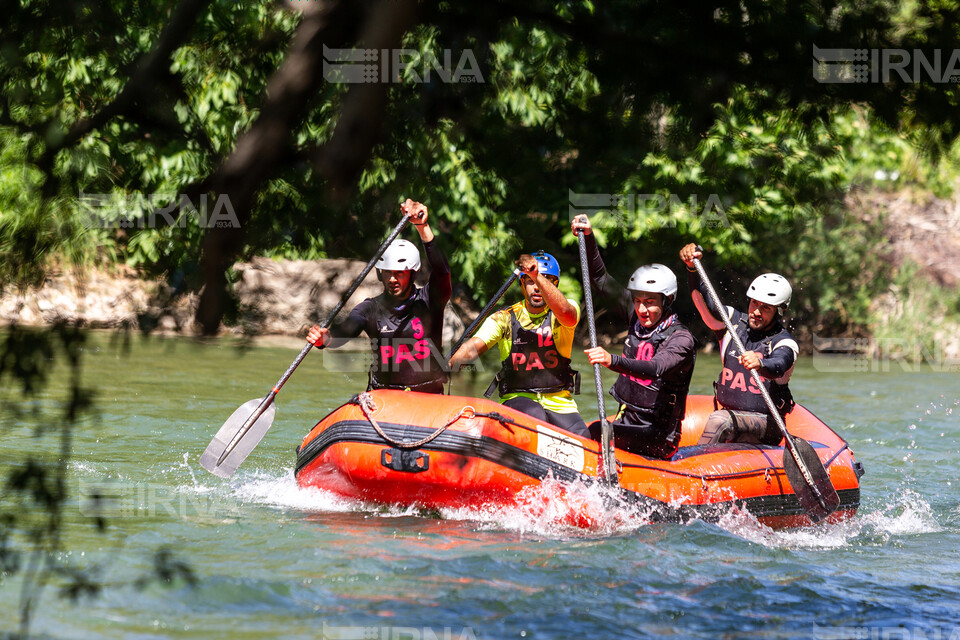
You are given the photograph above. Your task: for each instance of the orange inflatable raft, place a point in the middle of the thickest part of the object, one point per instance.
(435, 451)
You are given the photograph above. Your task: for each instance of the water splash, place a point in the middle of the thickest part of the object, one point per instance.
(85, 467)
(186, 465)
(557, 509)
(909, 514)
(745, 525)
(262, 487)
(551, 509)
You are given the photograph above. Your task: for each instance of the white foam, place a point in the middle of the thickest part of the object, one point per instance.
(84, 467)
(908, 515)
(558, 510)
(283, 491)
(277, 488)
(823, 536)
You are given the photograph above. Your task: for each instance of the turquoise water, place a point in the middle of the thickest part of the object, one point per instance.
(272, 560)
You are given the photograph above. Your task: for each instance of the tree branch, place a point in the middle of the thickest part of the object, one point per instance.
(342, 159)
(152, 66)
(259, 151)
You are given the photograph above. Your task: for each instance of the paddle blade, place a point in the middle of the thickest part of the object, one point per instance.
(818, 498)
(246, 444)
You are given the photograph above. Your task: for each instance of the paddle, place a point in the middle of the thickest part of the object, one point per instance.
(243, 430)
(483, 314)
(608, 462)
(804, 469)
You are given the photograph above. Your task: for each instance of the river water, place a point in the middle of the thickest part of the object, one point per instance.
(272, 560)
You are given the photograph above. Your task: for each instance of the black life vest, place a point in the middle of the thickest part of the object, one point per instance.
(534, 365)
(658, 402)
(735, 387)
(406, 355)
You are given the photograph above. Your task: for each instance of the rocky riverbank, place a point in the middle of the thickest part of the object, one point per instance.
(282, 297)
(917, 228)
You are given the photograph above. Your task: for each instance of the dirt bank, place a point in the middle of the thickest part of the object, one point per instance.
(917, 228)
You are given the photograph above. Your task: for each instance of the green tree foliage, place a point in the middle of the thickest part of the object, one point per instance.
(706, 119)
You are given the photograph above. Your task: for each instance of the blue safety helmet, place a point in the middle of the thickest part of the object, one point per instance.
(547, 264)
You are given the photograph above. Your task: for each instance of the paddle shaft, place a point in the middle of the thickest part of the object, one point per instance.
(483, 314)
(608, 463)
(265, 403)
(791, 446)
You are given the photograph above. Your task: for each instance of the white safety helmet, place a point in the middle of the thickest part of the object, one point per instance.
(401, 255)
(772, 289)
(654, 278)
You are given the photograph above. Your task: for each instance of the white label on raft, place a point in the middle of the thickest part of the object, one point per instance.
(559, 448)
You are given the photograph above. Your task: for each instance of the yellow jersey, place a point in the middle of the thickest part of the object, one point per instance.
(495, 330)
